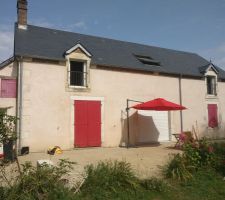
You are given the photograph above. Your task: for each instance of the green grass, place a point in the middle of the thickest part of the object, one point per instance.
(112, 181)
(204, 185)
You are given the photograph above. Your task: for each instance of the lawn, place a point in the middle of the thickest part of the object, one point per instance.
(205, 185)
(197, 173)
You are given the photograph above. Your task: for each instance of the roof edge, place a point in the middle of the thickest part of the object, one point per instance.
(113, 39)
(77, 46)
(7, 62)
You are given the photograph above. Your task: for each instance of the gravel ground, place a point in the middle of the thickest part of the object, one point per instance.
(144, 160)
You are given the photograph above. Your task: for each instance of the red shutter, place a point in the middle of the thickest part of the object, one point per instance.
(212, 115)
(81, 124)
(94, 123)
(8, 88)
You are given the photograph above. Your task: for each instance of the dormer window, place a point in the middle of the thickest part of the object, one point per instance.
(211, 85)
(147, 60)
(211, 73)
(78, 66)
(78, 73)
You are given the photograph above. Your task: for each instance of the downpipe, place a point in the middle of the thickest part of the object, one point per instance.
(180, 98)
(19, 104)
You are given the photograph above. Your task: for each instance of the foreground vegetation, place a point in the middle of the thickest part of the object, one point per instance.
(196, 174)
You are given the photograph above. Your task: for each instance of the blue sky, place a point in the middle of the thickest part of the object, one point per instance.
(188, 25)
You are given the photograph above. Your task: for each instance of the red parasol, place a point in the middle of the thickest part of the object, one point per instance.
(159, 104)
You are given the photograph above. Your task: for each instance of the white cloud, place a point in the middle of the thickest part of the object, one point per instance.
(81, 25)
(6, 42)
(216, 54)
(42, 22)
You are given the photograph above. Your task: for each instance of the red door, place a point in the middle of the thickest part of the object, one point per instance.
(212, 115)
(87, 123)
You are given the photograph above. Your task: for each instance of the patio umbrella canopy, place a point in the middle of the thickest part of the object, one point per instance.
(159, 104)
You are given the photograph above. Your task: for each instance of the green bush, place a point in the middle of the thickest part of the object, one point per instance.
(202, 154)
(116, 180)
(7, 126)
(44, 182)
(206, 154)
(192, 156)
(178, 168)
(110, 176)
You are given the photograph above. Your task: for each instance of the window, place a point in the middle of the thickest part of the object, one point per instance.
(78, 74)
(211, 85)
(147, 60)
(8, 88)
(212, 115)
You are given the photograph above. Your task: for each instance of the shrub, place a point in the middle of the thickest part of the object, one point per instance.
(206, 154)
(7, 126)
(192, 156)
(202, 154)
(178, 168)
(109, 178)
(44, 182)
(110, 175)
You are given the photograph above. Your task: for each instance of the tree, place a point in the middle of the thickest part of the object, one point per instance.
(7, 126)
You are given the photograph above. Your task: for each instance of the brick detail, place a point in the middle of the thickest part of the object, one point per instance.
(22, 12)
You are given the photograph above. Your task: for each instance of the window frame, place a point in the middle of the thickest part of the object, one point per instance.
(214, 87)
(85, 73)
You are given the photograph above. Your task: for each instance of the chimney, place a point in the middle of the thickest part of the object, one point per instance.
(22, 14)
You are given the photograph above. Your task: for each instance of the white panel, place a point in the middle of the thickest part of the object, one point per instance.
(153, 126)
(1, 150)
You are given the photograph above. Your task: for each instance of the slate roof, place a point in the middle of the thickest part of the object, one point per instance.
(39, 42)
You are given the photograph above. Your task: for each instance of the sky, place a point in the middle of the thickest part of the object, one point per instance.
(188, 25)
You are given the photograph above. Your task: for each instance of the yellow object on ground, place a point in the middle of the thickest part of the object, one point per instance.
(54, 150)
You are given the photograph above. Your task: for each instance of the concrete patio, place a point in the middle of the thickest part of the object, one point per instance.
(144, 160)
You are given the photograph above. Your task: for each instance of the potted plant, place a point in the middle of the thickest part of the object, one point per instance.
(7, 134)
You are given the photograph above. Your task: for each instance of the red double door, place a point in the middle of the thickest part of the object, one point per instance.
(87, 123)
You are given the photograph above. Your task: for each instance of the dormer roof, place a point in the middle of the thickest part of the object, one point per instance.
(206, 68)
(78, 46)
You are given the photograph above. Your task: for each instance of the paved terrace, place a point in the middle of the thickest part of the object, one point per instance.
(144, 160)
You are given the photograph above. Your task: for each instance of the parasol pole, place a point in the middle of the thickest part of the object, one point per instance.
(128, 123)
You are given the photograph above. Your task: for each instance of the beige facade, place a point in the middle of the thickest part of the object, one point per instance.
(48, 102)
(45, 97)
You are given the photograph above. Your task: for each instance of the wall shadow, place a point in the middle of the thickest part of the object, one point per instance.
(147, 130)
(142, 130)
(133, 128)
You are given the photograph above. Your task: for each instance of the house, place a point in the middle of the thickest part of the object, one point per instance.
(71, 90)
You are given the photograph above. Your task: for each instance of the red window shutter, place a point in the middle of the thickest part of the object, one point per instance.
(8, 88)
(212, 115)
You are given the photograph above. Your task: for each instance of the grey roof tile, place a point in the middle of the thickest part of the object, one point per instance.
(52, 44)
